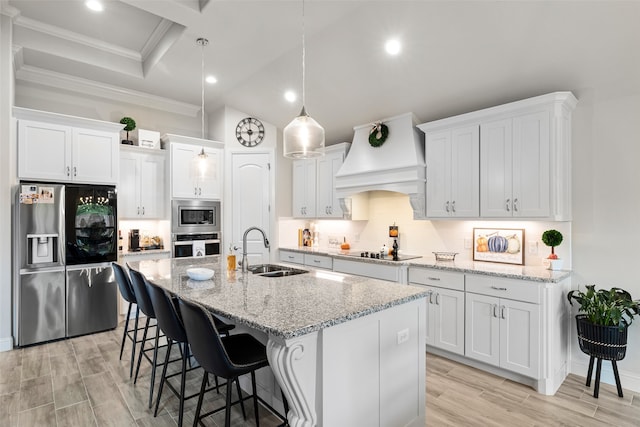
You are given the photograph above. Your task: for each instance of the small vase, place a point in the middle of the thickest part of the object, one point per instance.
(553, 264)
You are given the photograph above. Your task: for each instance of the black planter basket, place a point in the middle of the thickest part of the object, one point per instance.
(602, 342)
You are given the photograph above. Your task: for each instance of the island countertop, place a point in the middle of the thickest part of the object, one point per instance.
(285, 307)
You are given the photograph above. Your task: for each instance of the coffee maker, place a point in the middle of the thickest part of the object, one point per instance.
(134, 240)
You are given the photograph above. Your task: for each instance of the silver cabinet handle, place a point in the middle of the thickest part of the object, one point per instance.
(290, 256)
(195, 191)
(502, 312)
(515, 205)
(453, 206)
(317, 261)
(68, 171)
(430, 297)
(330, 210)
(199, 191)
(75, 171)
(446, 207)
(437, 299)
(508, 205)
(495, 310)
(143, 210)
(138, 210)
(498, 288)
(434, 278)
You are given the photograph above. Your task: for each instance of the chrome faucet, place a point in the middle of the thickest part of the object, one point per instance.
(245, 262)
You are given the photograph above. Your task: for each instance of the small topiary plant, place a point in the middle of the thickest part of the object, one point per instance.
(552, 238)
(130, 125)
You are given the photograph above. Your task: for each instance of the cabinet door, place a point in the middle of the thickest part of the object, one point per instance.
(304, 188)
(496, 162)
(438, 157)
(328, 205)
(152, 178)
(520, 337)
(182, 185)
(95, 156)
(44, 151)
(211, 188)
(482, 328)
(465, 172)
(449, 322)
(531, 158)
(129, 186)
(431, 318)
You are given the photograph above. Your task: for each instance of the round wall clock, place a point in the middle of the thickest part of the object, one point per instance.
(250, 132)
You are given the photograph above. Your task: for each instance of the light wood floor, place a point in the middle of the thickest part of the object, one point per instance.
(81, 382)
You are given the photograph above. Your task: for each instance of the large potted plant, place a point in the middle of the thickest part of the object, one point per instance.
(553, 238)
(602, 322)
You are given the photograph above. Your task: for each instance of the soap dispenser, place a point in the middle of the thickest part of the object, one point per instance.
(231, 258)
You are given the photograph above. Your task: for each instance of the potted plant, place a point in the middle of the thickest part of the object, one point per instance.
(130, 125)
(553, 238)
(602, 322)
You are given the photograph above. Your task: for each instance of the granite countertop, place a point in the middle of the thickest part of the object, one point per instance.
(143, 252)
(521, 272)
(286, 307)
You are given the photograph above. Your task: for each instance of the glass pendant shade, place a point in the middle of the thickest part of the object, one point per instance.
(303, 138)
(202, 169)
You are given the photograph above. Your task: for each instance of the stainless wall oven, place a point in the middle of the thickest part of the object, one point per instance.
(195, 228)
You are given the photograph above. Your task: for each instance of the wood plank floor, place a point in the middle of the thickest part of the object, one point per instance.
(81, 382)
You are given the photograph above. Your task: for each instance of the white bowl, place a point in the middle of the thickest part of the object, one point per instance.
(200, 273)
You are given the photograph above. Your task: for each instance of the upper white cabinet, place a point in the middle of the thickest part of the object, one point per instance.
(524, 161)
(185, 182)
(141, 189)
(56, 147)
(314, 194)
(453, 162)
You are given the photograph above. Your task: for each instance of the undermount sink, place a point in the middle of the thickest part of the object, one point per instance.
(274, 270)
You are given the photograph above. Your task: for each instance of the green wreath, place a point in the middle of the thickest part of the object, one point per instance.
(378, 134)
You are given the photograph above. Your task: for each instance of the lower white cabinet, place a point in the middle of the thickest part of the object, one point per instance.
(290, 256)
(391, 273)
(318, 261)
(503, 333)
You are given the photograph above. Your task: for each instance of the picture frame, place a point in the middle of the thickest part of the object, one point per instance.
(502, 245)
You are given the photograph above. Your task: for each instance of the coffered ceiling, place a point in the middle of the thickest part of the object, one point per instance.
(456, 56)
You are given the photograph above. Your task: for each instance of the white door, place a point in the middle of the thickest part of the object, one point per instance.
(250, 199)
(465, 172)
(129, 185)
(211, 188)
(182, 185)
(520, 337)
(496, 162)
(152, 179)
(44, 151)
(431, 317)
(482, 339)
(304, 188)
(449, 333)
(95, 156)
(328, 205)
(438, 155)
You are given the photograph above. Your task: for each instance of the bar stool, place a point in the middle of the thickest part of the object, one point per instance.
(165, 306)
(145, 304)
(226, 357)
(124, 284)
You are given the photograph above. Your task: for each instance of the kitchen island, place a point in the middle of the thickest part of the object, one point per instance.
(345, 350)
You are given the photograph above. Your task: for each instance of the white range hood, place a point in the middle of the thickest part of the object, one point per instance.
(397, 165)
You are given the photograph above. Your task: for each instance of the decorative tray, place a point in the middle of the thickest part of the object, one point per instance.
(445, 256)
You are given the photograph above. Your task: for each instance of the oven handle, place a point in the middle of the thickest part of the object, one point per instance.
(190, 242)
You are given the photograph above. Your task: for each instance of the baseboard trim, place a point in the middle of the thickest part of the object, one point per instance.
(628, 380)
(6, 344)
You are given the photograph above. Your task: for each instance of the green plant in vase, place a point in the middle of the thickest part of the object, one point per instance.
(553, 238)
(130, 125)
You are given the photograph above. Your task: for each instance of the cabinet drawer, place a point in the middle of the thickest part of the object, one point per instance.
(519, 290)
(295, 257)
(367, 269)
(431, 277)
(318, 261)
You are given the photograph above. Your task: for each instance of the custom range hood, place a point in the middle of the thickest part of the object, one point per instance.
(397, 165)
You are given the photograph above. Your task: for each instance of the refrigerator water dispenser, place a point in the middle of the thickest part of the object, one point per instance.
(42, 248)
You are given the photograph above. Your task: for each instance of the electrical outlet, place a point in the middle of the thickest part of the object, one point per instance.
(467, 244)
(403, 336)
(533, 248)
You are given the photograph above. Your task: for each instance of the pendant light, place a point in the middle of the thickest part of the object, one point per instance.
(201, 169)
(303, 137)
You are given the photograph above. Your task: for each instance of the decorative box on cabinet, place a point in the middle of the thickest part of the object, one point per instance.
(61, 148)
(184, 183)
(141, 189)
(445, 307)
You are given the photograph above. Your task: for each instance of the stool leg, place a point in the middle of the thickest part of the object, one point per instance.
(590, 371)
(596, 388)
(227, 409)
(183, 380)
(199, 406)
(153, 366)
(244, 414)
(255, 397)
(126, 330)
(144, 341)
(133, 344)
(615, 373)
(163, 378)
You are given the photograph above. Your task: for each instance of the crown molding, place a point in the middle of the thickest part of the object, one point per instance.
(8, 10)
(61, 81)
(156, 37)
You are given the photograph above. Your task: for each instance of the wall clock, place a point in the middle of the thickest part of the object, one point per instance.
(250, 132)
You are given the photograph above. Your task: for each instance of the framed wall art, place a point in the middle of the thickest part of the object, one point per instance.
(504, 245)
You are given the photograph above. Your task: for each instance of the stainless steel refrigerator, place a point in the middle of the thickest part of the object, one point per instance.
(65, 239)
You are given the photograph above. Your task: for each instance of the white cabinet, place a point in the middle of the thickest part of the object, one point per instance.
(524, 161)
(515, 165)
(501, 331)
(141, 189)
(66, 149)
(445, 307)
(304, 188)
(186, 181)
(314, 189)
(310, 260)
(453, 162)
(290, 256)
(375, 270)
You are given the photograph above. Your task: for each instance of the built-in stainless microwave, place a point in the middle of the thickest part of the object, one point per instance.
(195, 216)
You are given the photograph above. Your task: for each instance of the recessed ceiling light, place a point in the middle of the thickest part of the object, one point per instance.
(290, 96)
(211, 80)
(392, 47)
(94, 5)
